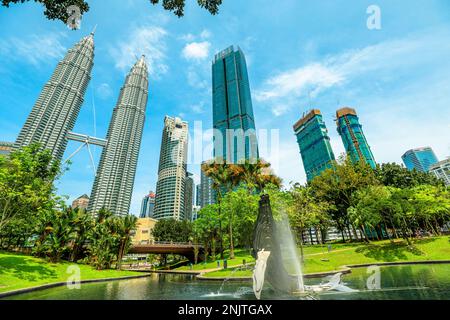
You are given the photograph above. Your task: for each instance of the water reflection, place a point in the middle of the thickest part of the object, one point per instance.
(410, 282)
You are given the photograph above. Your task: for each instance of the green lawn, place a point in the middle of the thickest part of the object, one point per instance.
(347, 254)
(240, 255)
(21, 271)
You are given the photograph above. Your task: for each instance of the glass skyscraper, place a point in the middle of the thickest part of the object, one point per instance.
(148, 206)
(314, 143)
(442, 171)
(420, 159)
(172, 172)
(232, 108)
(56, 110)
(113, 185)
(353, 137)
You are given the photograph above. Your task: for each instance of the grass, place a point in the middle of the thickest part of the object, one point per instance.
(239, 254)
(20, 271)
(317, 258)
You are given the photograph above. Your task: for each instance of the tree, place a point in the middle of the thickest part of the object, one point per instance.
(57, 9)
(126, 225)
(397, 176)
(207, 229)
(336, 186)
(26, 183)
(304, 211)
(171, 230)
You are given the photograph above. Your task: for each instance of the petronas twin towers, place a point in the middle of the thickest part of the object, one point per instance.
(56, 111)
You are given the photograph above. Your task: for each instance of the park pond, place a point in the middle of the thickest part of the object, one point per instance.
(401, 282)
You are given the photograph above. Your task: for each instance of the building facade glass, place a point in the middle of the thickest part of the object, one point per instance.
(170, 189)
(113, 185)
(235, 139)
(314, 144)
(351, 132)
(420, 159)
(442, 171)
(148, 206)
(56, 110)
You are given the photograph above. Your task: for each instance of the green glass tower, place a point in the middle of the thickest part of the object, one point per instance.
(232, 108)
(314, 143)
(353, 137)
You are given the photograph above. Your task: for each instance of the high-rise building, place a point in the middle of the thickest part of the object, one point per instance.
(6, 148)
(353, 137)
(314, 143)
(81, 202)
(56, 110)
(198, 194)
(442, 171)
(188, 196)
(420, 159)
(113, 185)
(232, 108)
(170, 189)
(148, 206)
(207, 192)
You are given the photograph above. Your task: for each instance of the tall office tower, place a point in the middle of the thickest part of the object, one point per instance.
(442, 171)
(420, 159)
(170, 201)
(148, 206)
(113, 185)
(232, 108)
(207, 192)
(57, 108)
(353, 137)
(188, 196)
(198, 191)
(314, 143)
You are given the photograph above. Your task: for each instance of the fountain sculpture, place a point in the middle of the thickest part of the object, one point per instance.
(269, 261)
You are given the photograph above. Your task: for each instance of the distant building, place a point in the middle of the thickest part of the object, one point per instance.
(314, 144)
(188, 196)
(442, 171)
(232, 108)
(198, 194)
(170, 200)
(6, 148)
(143, 233)
(195, 210)
(81, 203)
(207, 193)
(353, 137)
(148, 206)
(420, 159)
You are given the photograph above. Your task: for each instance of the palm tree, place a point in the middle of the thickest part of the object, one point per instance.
(218, 173)
(126, 225)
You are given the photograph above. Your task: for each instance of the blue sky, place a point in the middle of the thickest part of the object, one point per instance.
(300, 54)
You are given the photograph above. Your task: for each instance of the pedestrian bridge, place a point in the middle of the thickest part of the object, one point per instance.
(183, 249)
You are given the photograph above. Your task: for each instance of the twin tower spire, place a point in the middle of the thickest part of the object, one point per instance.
(55, 113)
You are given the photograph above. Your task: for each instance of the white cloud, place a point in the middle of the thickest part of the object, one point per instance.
(378, 62)
(196, 50)
(33, 49)
(206, 34)
(148, 40)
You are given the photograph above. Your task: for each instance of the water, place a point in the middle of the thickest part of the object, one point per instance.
(412, 282)
(289, 251)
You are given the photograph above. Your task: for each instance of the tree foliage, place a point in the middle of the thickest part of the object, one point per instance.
(57, 9)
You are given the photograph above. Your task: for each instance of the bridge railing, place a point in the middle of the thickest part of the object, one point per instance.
(175, 244)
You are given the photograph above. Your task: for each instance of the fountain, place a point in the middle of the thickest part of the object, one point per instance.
(267, 252)
(268, 239)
